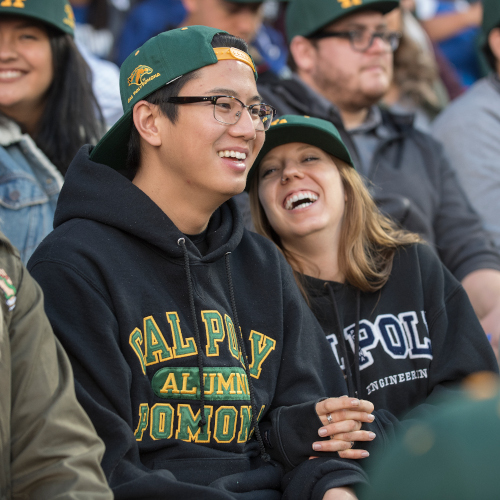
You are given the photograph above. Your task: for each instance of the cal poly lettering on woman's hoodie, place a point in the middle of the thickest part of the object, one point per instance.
(417, 336)
(116, 273)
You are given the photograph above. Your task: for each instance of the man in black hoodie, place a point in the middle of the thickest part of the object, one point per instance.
(342, 61)
(184, 329)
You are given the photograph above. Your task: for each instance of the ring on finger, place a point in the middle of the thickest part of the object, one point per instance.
(329, 418)
(352, 444)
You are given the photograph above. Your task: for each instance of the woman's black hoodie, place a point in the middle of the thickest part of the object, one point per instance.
(142, 313)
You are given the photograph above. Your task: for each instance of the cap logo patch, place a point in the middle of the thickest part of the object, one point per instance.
(346, 4)
(8, 289)
(138, 78)
(70, 17)
(138, 74)
(13, 3)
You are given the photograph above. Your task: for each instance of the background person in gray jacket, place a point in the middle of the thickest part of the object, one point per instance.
(342, 62)
(469, 129)
(48, 446)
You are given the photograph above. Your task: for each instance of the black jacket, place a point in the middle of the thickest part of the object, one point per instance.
(418, 336)
(141, 316)
(410, 179)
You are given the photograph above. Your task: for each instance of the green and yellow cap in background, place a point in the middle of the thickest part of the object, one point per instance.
(56, 13)
(491, 19)
(305, 17)
(295, 128)
(160, 61)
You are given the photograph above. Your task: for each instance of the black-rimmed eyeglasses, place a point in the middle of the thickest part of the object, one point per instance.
(362, 40)
(228, 109)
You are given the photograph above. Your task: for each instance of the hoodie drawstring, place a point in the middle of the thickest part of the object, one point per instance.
(202, 423)
(354, 388)
(182, 243)
(241, 344)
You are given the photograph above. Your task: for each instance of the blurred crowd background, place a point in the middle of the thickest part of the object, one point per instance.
(438, 58)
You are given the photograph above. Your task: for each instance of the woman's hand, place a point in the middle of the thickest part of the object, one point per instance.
(343, 493)
(342, 419)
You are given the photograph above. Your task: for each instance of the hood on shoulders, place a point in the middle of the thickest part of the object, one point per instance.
(98, 193)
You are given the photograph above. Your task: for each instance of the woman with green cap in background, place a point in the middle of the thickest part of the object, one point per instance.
(399, 324)
(47, 112)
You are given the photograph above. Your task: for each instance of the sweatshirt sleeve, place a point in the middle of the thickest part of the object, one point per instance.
(305, 373)
(459, 345)
(103, 384)
(55, 451)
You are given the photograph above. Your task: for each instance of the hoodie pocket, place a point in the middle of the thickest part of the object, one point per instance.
(204, 471)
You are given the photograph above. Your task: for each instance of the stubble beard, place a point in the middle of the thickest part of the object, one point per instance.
(339, 92)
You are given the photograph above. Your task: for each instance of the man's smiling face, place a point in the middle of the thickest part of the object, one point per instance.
(203, 153)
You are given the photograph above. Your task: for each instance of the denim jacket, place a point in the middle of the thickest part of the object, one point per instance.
(29, 188)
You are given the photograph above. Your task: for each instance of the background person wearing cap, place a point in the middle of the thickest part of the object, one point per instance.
(343, 57)
(148, 276)
(243, 19)
(398, 323)
(47, 112)
(470, 126)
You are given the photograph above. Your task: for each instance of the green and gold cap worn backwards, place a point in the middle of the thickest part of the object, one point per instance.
(160, 61)
(491, 19)
(305, 17)
(295, 128)
(56, 13)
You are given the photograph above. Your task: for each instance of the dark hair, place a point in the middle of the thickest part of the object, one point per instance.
(71, 116)
(170, 110)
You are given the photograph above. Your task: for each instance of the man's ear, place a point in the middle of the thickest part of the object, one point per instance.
(304, 53)
(189, 5)
(494, 43)
(145, 116)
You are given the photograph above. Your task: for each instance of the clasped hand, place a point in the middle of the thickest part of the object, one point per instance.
(344, 428)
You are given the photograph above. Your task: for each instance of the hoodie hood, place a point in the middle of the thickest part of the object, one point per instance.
(120, 204)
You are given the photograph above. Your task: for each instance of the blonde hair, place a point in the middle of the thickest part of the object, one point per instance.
(368, 239)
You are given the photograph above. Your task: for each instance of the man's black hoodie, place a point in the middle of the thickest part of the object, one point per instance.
(142, 314)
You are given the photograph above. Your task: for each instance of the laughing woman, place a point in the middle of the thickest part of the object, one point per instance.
(47, 112)
(399, 324)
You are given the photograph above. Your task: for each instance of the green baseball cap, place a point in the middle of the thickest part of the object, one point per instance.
(491, 19)
(305, 17)
(56, 13)
(295, 128)
(160, 61)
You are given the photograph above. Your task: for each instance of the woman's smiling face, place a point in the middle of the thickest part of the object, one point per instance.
(26, 69)
(301, 191)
